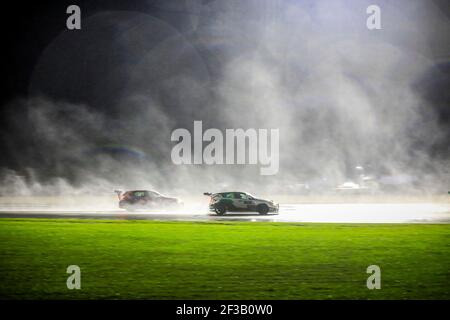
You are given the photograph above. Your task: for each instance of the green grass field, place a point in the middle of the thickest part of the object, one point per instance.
(235, 260)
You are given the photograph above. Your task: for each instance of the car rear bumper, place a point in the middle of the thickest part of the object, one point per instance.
(122, 204)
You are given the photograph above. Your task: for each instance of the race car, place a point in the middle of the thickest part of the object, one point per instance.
(222, 202)
(145, 199)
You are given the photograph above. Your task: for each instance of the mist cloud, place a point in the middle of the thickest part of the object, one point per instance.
(104, 102)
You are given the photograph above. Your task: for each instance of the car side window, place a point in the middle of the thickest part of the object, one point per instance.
(240, 195)
(139, 194)
(152, 195)
(228, 195)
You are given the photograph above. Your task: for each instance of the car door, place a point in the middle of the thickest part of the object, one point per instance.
(241, 201)
(153, 198)
(140, 198)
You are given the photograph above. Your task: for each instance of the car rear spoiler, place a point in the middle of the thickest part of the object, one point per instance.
(207, 193)
(119, 194)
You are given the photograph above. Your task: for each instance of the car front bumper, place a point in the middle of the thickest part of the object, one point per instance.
(275, 208)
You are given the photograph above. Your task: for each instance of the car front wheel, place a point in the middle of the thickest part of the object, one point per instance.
(263, 209)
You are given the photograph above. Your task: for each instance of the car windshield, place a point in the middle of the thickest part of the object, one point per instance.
(154, 194)
(227, 195)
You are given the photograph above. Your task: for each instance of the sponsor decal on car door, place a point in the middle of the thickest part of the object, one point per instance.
(242, 202)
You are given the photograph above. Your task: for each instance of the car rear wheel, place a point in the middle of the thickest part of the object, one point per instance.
(263, 209)
(125, 205)
(220, 209)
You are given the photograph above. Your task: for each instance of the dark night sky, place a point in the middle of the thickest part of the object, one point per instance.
(29, 26)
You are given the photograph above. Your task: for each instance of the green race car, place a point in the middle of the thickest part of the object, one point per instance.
(239, 201)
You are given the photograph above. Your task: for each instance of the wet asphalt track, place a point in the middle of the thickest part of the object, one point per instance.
(321, 213)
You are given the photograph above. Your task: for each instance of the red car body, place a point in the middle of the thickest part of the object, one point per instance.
(145, 199)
